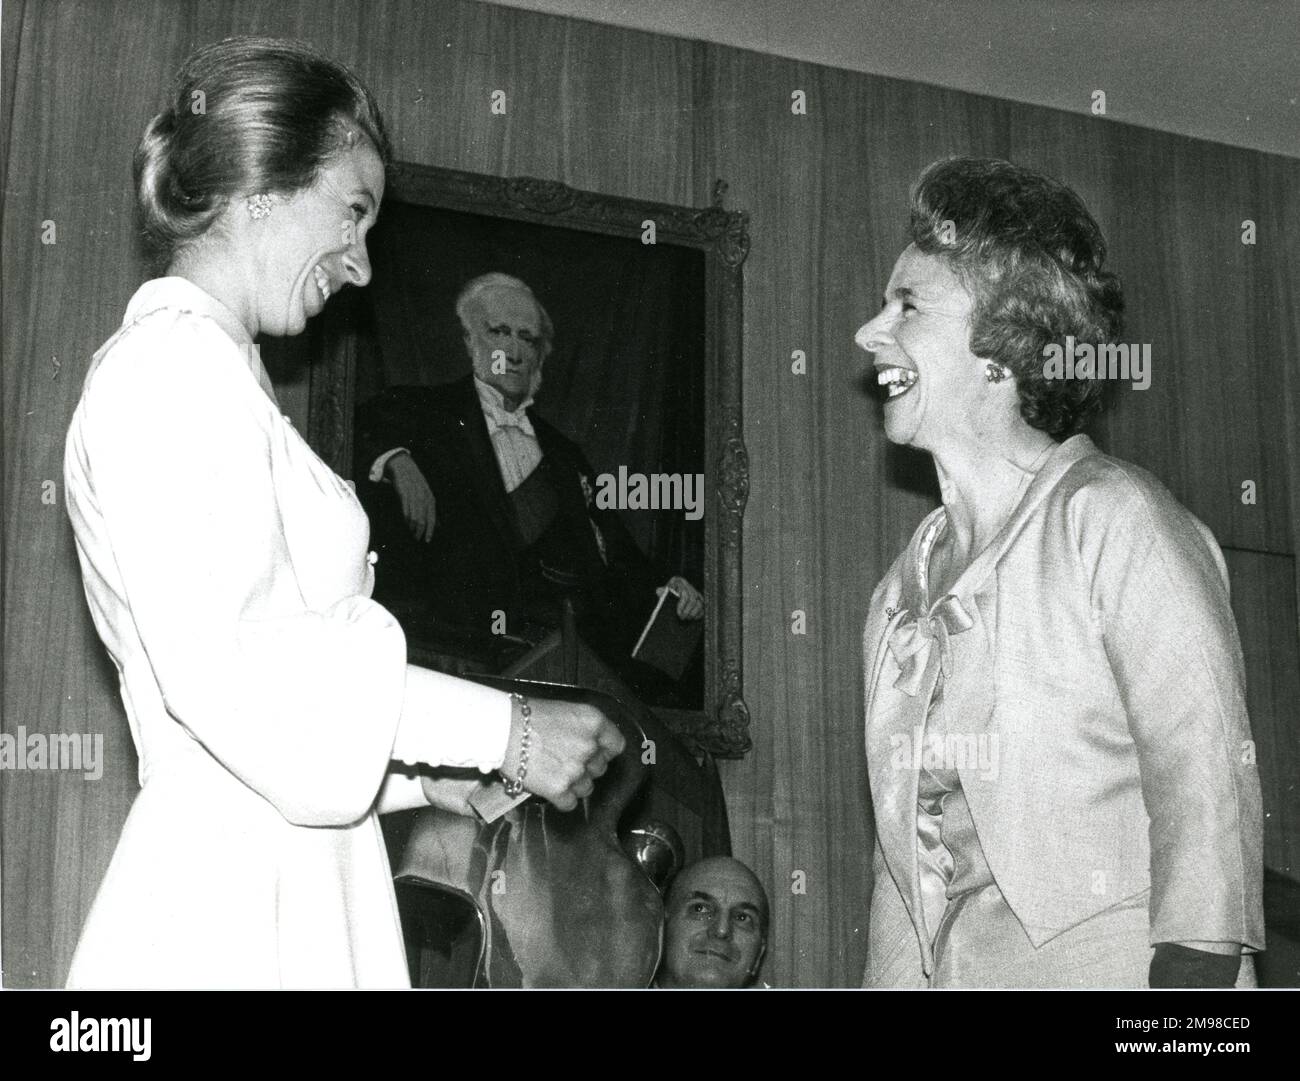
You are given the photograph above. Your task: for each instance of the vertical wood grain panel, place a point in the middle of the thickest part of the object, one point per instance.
(597, 108)
(1264, 602)
(12, 18)
(1192, 288)
(1281, 193)
(1279, 280)
(1172, 210)
(75, 124)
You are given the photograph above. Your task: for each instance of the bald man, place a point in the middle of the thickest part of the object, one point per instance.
(715, 930)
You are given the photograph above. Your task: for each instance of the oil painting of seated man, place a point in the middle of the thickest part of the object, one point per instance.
(485, 515)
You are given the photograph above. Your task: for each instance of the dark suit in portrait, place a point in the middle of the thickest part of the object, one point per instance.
(515, 553)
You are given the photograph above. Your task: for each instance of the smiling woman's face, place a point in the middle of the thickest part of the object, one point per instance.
(920, 343)
(316, 240)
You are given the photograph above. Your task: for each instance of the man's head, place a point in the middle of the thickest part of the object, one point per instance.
(507, 333)
(716, 926)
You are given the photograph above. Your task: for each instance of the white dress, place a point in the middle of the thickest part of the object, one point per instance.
(226, 570)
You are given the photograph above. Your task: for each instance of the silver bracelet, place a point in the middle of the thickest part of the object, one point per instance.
(516, 787)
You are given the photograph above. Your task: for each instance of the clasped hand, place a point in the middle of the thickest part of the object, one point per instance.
(570, 745)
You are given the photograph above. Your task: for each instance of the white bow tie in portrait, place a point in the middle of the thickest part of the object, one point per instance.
(513, 439)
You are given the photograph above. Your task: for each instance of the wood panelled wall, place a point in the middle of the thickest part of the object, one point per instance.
(656, 118)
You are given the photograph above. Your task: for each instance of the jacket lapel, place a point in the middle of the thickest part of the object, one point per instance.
(977, 591)
(973, 699)
(977, 575)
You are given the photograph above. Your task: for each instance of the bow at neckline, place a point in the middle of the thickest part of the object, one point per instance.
(912, 640)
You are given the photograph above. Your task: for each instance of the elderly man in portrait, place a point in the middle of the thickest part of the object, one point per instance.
(484, 514)
(715, 927)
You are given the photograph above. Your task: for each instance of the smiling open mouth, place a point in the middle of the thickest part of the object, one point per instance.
(322, 283)
(898, 380)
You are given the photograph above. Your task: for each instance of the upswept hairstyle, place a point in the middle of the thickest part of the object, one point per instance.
(248, 114)
(1031, 256)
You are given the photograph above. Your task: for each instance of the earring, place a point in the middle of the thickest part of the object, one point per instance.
(995, 373)
(259, 206)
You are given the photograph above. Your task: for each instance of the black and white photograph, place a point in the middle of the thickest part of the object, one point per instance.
(563, 494)
(474, 562)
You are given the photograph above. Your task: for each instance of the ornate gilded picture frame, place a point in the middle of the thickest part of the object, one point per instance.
(713, 241)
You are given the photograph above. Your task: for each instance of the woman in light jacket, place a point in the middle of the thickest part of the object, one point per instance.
(226, 569)
(1059, 754)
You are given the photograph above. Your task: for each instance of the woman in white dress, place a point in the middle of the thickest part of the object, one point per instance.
(226, 569)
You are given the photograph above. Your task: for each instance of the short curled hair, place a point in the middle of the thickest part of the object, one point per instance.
(1031, 256)
(248, 114)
